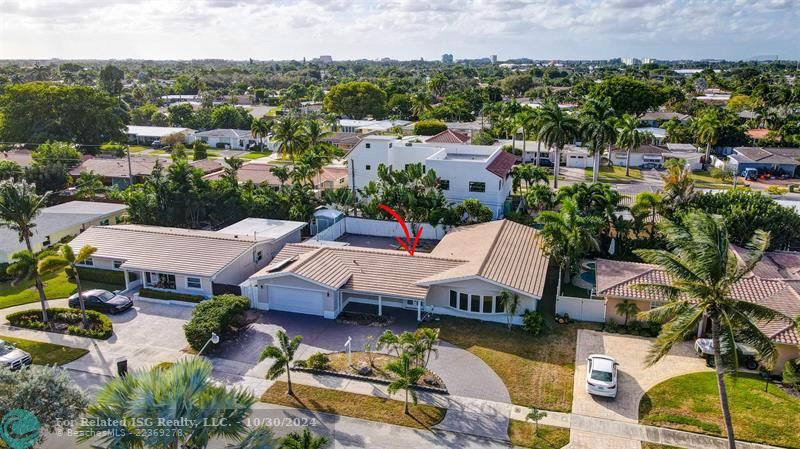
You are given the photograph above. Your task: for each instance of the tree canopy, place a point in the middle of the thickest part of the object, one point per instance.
(356, 99)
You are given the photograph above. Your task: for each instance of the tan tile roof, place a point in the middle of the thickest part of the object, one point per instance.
(118, 167)
(261, 174)
(364, 270)
(774, 264)
(172, 250)
(617, 279)
(23, 158)
(503, 252)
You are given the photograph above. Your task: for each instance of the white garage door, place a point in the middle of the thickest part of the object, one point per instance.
(296, 300)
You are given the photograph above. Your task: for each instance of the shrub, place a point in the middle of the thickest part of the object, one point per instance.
(100, 326)
(721, 174)
(4, 276)
(429, 127)
(533, 322)
(509, 149)
(214, 315)
(482, 138)
(791, 374)
(776, 190)
(318, 361)
(99, 275)
(170, 296)
(221, 145)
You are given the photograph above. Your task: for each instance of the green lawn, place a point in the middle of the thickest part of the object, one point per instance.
(361, 406)
(523, 434)
(691, 402)
(255, 155)
(55, 286)
(615, 175)
(157, 152)
(138, 148)
(47, 353)
(703, 180)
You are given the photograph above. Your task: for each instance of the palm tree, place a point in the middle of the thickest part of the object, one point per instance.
(89, 185)
(557, 129)
(258, 438)
(708, 128)
(19, 207)
(678, 185)
(304, 440)
(283, 355)
(539, 197)
(510, 302)
(231, 171)
(704, 270)
(629, 138)
(420, 104)
(407, 376)
(627, 309)
(646, 205)
(128, 409)
(281, 172)
(288, 135)
(260, 128)
(599, 128)
(69, 260)
(568, 234)
(526, 121)
(342, 199)
(429, 338)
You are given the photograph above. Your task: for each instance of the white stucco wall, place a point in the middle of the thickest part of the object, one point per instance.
(439, 298)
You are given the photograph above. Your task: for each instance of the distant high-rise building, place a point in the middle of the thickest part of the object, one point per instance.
(447, 58)
(326, 59)
(631, 61)
(648, 61)
(494, 59)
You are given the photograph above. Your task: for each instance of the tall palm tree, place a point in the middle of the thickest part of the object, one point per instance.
(678, 185)
(528, 123)
(260, 129)
(420, 104)
(599, 128)
(304, 440)
(128, 409)
(407, 376)
(708, 128)
(629, 138)
(557, 129)
(67, 258)
(342, 199)
(704, 269)
(89, 185)
(281, 172)
(289, 136)
(283, 355)
(568, 234)
(646, 207)
(19, 207)
(258, 438)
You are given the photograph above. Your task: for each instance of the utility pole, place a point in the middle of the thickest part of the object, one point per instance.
(130, 170)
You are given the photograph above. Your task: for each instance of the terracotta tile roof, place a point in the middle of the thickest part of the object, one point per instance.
(757, 133)
(448, 136)
(774, 264)
(207, 165)
(617, 279)
(502, 163)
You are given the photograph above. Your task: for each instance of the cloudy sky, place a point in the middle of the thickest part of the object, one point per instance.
(401, 29)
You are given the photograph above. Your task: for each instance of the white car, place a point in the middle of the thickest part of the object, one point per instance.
(12, 357)
(746, 354)
(601, 375)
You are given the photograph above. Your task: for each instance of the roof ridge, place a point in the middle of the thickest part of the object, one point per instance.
(143, 229)
(362, 249)
(649, 270)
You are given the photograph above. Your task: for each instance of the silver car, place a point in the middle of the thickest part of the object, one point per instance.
(601, 375)
(13, 357)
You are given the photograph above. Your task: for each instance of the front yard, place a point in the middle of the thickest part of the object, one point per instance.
(523, 434)
(47, 353)
(255, 155)
(537, 371)
(354, 405)
(55, 286)
(703, 180)
(615, 175)
(691, 402)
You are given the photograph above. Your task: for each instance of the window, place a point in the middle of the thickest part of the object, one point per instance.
(258, 256)
(453, 299)
(89, 262)
(500, 305)
(390, 144)
(193, 283)
(367, 145)
(368, 167)
(477, 186)
(463, 301)
(475, 303)
(104, 222)
(487, 304)
(117, 264)
(160, 280)
(444, 184)
(46, 241)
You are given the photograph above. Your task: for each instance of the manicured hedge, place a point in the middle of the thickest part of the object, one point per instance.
(214, 315)
(170, 296)
(100, 327)
(429, 127)
(101, 275)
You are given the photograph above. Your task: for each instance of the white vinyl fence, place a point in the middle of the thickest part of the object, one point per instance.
(582, 309)
(378, 228)
(332, 233)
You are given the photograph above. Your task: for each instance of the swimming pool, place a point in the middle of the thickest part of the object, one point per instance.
(588, 277)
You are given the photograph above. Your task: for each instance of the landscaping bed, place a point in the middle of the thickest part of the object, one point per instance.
(691, 402)
(421, 416)
(46, 353)
(170, 296)
(64, 321)
(537, 371)
(362, 369)
(640, 328)
(364, 319)
(523, 434)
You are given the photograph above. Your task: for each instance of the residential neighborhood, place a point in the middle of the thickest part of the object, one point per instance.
(277, 225)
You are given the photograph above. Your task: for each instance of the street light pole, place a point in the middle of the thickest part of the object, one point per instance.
(214, 339)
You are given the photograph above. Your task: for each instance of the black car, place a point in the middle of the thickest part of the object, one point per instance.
(102, 301)
(545, 162)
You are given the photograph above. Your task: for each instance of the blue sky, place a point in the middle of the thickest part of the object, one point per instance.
(401, 29)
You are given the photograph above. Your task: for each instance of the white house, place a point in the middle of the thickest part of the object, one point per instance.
(145, 135)
(465, 275)
(234, 139)
(187, 260)
(59, 222)
(686, 152)
(372, 126)
(645, 154)
(465, 171)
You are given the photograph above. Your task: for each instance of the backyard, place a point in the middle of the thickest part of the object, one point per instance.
(46, 353)
(615, 175)
(55, 286)
(691, 402)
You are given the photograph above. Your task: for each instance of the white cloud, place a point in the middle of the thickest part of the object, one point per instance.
(406, 29)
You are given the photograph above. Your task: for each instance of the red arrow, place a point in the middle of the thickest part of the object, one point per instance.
(408, 245)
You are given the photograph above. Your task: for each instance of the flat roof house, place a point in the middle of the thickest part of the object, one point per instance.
(62, 221)
(234, 139)
(774, 283)
(465, 171)
(463, 276)
(187, 260)
(145, 135)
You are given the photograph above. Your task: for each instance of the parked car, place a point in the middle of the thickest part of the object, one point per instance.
(601, 375)
(13, 357)
(749, 174)
(102, 301)
(746, 354)
(544, 162)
